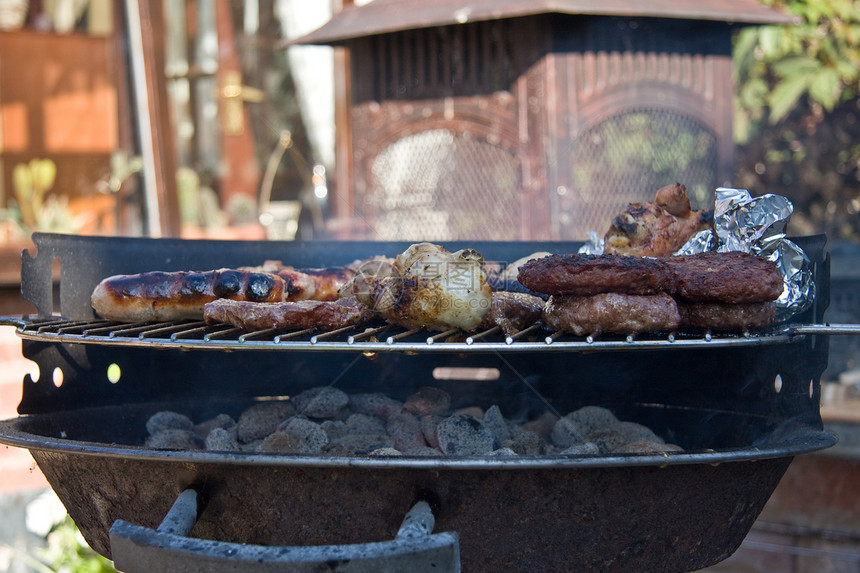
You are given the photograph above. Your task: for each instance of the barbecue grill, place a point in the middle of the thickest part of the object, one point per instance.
(740, 405)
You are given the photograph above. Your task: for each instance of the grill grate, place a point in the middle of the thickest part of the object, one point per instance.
(375, 338)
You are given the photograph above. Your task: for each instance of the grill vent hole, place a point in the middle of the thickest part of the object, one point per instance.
(57, 377)
(113, 373)
(777, 384)
(34, 373)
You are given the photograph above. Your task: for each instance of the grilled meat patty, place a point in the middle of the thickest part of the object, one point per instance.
(321, 315)
(732, 277)
(592, 294)
(611, 312)
(724, 316)
(584, 275)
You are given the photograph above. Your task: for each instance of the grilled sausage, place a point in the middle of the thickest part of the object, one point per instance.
(157, 295)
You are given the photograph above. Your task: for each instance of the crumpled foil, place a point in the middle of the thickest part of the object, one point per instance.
(593, 245)
(754, 225)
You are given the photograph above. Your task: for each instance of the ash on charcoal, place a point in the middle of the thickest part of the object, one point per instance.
(422, 451)
(473, 411)
(646, 447)
(542, 426)
(497, 425)
(174, 439)
(220, 421)
(167, 420)
(566, 432)
(364, 424)
(582, 449)
(222, 440)
(321, 402)
(430, 430)
(592, 417)
(502, 452)
(462, 435)
(262, 419)
(384, 452)
(334, 429)
(337, 424)
(358, 444)
(405, 431)
(614, 436)
(296, 436)
(374, 404)
(251, 446)
(525, 443)
(427, 401)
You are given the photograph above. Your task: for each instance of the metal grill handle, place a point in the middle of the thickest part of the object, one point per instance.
(137, 549)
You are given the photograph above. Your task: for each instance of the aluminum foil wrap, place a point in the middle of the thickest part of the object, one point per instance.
(754, 225)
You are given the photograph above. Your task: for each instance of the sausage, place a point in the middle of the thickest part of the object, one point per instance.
(162, 296)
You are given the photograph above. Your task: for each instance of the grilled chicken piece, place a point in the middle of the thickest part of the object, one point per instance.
(427, 286)
(658, 228)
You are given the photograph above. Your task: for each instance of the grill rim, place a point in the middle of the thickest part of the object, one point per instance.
(11, 434)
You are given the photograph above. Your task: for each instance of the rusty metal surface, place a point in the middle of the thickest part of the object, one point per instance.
(386, 16)
(677, 518)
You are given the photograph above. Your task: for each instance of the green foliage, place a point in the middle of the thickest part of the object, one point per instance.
(67, 552)
(818, 57)
(797, 118)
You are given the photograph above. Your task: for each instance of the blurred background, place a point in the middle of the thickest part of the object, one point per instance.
(247, 120)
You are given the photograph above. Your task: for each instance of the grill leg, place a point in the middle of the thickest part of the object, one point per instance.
(415, 548)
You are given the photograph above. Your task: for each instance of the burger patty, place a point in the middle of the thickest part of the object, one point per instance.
(732, 277)
(724, 316)
(584, 275)
(612, 313)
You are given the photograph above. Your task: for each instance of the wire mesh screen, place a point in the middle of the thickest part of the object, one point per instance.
(441, 186)
(625, 159)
